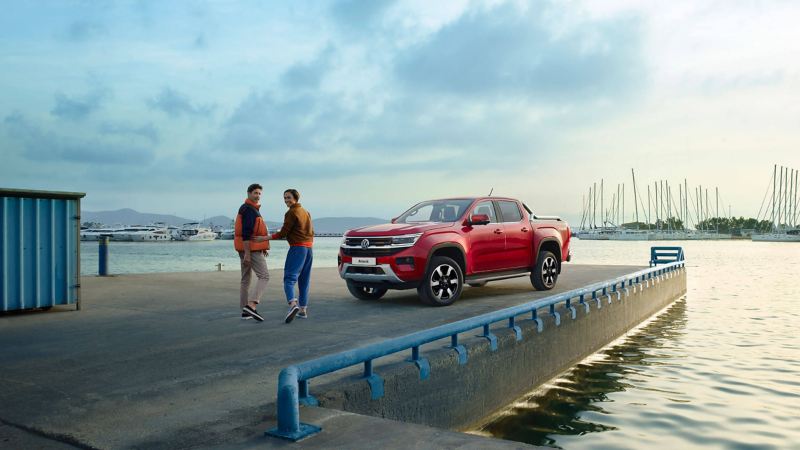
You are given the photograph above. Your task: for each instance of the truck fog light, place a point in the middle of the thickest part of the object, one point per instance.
(406, 260)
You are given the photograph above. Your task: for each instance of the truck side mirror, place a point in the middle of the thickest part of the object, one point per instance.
(478, 219)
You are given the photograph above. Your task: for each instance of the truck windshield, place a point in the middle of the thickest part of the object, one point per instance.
(435, 211)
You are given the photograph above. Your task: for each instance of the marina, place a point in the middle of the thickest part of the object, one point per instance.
(631, 388)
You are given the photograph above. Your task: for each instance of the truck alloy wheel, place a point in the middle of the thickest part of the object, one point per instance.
(545, 274)
(443, 283)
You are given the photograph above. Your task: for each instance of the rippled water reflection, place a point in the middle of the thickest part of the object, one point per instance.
(720, 368)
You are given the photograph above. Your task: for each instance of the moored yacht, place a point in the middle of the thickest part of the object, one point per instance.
(194, 232)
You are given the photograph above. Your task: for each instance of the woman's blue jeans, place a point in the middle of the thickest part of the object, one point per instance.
(297, 271)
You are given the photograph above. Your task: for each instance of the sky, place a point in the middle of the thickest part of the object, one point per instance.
(368, 107)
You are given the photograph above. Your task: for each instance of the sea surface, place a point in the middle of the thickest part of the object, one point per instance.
(719, 369)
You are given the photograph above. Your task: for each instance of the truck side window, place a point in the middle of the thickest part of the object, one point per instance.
(510, 211)
(485, 208)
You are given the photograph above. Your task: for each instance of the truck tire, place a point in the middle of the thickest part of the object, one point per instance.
(363, 292)
(545, 274)
(443, 282)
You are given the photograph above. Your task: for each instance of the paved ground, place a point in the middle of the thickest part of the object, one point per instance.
(163, 360)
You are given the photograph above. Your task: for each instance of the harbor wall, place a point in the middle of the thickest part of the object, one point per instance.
(456, 396)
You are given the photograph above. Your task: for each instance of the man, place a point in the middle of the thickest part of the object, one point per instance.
(250, 240)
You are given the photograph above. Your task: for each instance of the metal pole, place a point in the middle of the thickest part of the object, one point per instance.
(786, 198)
(648, 207)
(103, 260)
(594, 206)
(78, 262)
(717, 189)
(635, 200)
(774, 180)
(602, 204)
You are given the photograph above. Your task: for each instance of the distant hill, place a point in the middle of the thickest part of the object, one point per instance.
(342, 224)
(129, 216)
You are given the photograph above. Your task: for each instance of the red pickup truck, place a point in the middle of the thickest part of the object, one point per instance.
(437, 246)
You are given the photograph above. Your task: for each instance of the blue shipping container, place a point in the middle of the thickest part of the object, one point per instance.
(39, 249)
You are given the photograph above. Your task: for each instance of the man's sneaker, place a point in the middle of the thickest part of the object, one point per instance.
(252, 313)
(292, 312)
(246, 316)
(302, 315)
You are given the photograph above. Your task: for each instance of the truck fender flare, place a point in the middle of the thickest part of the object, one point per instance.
(558, 244)
(442, 245)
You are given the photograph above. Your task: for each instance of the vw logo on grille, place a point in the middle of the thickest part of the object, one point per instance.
(365, 243)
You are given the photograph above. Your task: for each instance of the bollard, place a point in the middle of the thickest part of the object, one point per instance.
(103, 260)
(219, 267)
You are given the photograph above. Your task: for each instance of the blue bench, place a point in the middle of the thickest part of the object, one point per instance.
(665, 255)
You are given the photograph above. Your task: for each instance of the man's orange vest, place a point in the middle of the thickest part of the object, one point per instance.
(259, 229)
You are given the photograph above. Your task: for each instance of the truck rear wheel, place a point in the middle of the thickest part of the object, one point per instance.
(545, 274)
(443, 282)
(363, 292)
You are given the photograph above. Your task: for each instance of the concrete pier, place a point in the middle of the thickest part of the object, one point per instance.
(164, 361)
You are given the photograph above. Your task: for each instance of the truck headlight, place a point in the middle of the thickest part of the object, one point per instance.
(409, 239)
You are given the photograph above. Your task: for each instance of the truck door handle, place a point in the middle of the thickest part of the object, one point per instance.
(498, 231)
(524, 230)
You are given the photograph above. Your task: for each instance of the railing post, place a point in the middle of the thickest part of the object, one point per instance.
(289, 426)
(102, 269)
(421, 363)
(460, 349)
(513, 326)
(490, 337)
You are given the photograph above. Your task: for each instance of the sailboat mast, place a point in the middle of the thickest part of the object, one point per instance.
(623, 204)
(686, 203)
(786, 198)
(594, 206)
(700, 202)
(648, 207)
(717, 189)
(794, 217)
(680, 200)
(635, 200)
(774, 180)
(780, 201)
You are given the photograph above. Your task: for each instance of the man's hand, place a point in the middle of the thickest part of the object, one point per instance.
(247, 257)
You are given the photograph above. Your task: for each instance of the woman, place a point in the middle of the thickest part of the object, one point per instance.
(298, 230)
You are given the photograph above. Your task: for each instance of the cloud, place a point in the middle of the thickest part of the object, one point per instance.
(265, 122)
(148, 131)
(359, 14)
(176, 104)
(200, 42)
(82, 31)
(78, 108)
(47, 147)
(507, 51)
(304, 75)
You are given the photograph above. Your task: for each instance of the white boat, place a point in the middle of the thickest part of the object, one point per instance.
(94, 234)
(226, 234)
(787, 236)
(195, 232)
(152, 233)
(785, 205)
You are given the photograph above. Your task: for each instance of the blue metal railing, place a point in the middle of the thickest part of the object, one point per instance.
(665, 255)
(293, 380)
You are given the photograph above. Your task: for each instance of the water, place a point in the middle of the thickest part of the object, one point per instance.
(177, 256)
(720, 369)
